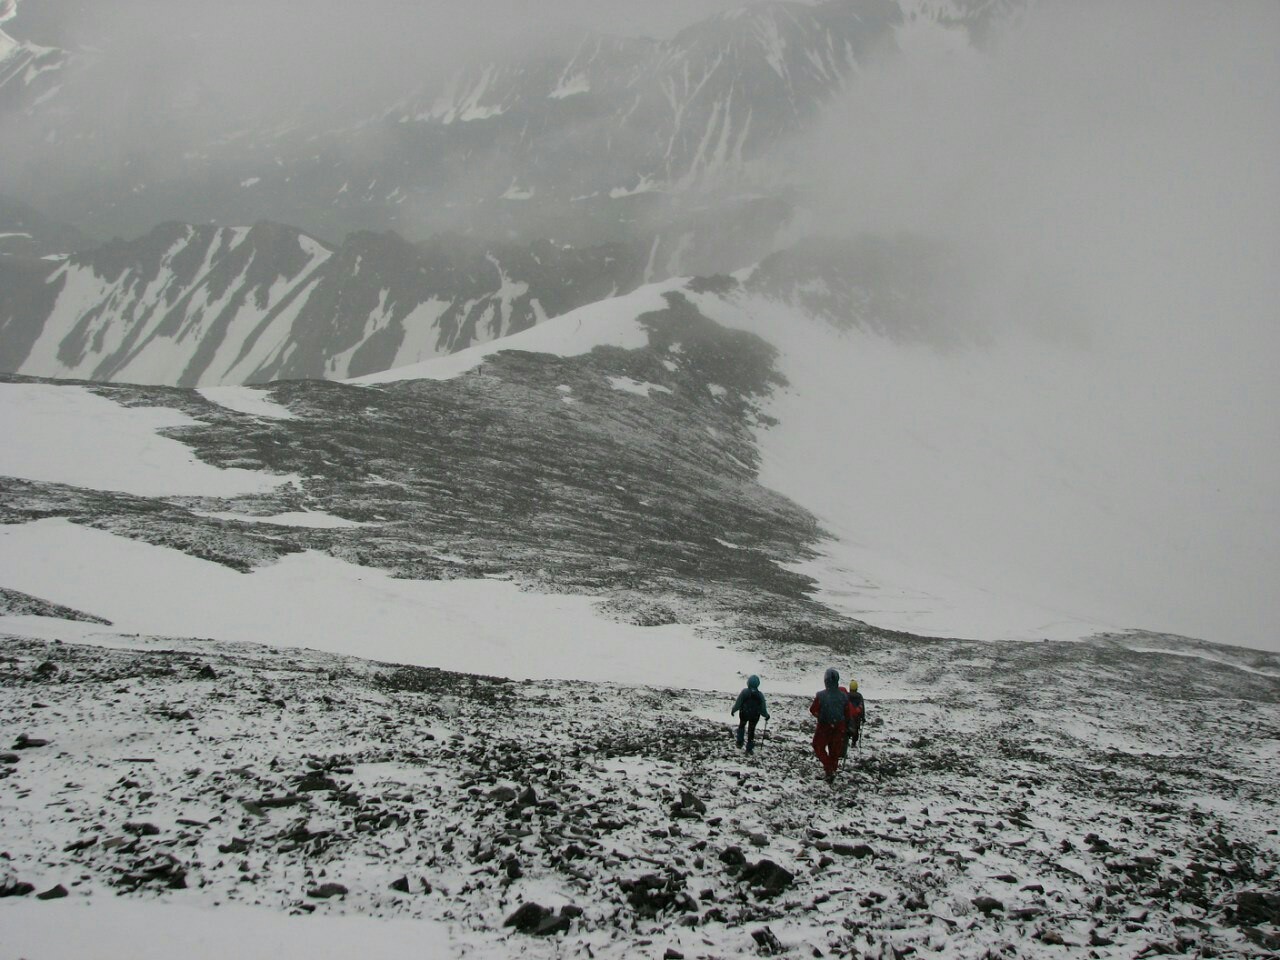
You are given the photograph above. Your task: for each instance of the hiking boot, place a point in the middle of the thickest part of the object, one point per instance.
(751, 748)
(738, 737)
(830, 778)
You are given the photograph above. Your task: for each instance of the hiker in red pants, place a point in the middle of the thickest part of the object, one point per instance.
(832, 708)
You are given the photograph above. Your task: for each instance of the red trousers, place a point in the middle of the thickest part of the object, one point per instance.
(828, 740)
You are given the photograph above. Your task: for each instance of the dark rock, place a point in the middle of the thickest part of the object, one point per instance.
(759, 840)
(315, 780)
(1254, 907)
(528, 797)
(528, 917)
(53, 893)
(988, 904)
(1025, 913)
(1006, 878)
(327, 890)
(733, 857)
(556, 923)
(8, 758)
(401, 885)
(288, 800)
(207, 673)
(80, 845)
(652, 894)
(139, 829)
(767, 942)
(46, 669)
(502, 794)
(235, 845)
(860, 850)
(15, 888)
(25, 742)
(769, 878)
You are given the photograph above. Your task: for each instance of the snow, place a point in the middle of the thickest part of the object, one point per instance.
(251, 181)
(66, 434)
(113, 929)
(248, 400)
(569, 85)
(979, 493)
(641, 388)
(312, 519)
(319, 602)
(607, 322)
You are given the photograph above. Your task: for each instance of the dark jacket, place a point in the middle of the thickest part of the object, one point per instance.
(831, 704)
(858, 707)
(751, 701)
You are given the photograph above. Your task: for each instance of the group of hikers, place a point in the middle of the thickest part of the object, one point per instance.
(839, 710)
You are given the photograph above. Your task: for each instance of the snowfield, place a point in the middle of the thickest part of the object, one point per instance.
(68, 434)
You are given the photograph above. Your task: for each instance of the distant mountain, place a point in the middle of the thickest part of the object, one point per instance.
(188, 305)
(589, 138)
(202, 305)
(30, 74)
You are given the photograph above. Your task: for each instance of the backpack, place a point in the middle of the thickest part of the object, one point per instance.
(831, 706)
(752, 704)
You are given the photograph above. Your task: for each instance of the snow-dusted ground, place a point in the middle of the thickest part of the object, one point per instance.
(1026, 808)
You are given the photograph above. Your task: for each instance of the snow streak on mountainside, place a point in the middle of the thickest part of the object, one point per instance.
(204, 305)
(654, 114)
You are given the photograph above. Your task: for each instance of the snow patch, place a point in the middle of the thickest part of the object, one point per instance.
(639, 387)
(65, 434)
(247, 400)
(320, 602)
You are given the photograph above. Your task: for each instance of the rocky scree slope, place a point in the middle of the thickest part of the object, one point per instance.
(1031, 800)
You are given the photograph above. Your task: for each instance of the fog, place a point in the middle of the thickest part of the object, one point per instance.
(243, 61)
(1109, 171)
(169, 76)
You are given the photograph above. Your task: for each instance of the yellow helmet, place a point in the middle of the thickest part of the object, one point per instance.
(853, 686)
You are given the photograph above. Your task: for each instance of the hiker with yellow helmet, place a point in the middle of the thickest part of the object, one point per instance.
(858, 711)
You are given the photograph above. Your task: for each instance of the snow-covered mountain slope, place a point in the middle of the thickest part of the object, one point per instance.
(936, 490)
(189, 305)
(963, 495)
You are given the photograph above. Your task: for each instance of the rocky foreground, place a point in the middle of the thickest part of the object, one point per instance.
(1021, 817)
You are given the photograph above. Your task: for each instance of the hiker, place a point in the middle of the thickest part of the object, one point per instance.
(832, 708)
(858, 713)
(749, 707)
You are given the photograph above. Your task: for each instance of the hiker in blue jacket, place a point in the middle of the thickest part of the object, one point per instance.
(749, 707)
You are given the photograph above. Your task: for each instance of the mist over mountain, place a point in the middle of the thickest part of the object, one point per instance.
(418, 421)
